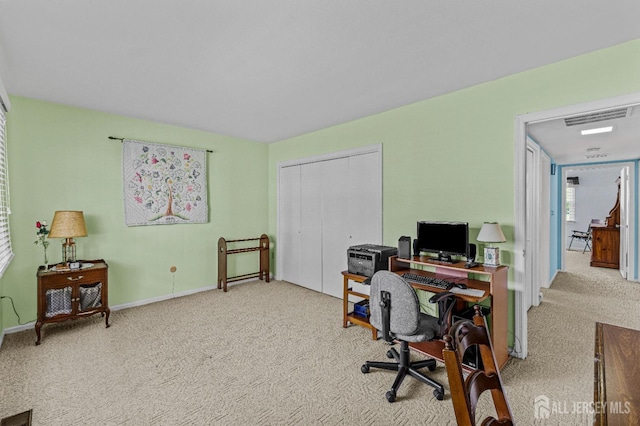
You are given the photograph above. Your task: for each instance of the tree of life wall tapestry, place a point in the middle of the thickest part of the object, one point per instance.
(163, 184)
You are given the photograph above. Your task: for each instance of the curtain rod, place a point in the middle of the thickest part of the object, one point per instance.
(122, 140)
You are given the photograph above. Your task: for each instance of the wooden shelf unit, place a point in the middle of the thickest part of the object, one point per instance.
(223, 252)
(494, 284)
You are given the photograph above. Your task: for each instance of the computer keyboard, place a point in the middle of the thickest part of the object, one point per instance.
(430, 281)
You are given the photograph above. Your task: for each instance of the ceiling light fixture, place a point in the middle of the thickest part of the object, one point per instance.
(596, 130)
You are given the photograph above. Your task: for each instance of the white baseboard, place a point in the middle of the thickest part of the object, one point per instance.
(31, 325)
(551, 280)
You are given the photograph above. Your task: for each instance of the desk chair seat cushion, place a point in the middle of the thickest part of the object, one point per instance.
(428, 329)
(407, 324)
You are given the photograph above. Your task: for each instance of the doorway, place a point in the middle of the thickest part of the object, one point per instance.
(523, 264)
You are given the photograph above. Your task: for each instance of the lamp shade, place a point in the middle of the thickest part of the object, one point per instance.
(491, 233)
(68, 224)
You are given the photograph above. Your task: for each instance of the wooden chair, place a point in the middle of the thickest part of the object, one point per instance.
(465, 393)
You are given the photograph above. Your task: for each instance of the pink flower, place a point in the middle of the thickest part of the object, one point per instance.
(188, 207)
(154, 160)
(186, 157)
(38, 225)
(138, 199)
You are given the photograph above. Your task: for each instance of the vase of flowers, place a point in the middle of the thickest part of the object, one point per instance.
(41, 235)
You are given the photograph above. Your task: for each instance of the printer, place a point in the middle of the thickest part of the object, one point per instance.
(367, 259)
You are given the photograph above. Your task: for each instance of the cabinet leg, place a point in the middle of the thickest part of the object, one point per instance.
(106, 318)
(38, 327)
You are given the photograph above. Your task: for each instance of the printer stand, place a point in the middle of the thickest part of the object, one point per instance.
(350, 317)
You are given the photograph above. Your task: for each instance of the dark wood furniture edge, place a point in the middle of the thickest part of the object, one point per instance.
(41, 274)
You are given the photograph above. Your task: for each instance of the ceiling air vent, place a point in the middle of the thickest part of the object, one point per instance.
(574, 180)
(594, 117)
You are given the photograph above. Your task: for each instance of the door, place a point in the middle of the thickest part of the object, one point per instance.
(544, 257)
(365, 199)
(289, 224)
(624, 221)
(336, 226)
(311, 189)
(530, 227)
(327, 204)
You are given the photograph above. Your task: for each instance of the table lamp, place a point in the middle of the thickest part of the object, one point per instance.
(491, 233)
(68, 225)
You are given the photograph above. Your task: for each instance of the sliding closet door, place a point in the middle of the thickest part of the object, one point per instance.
(365, 199)
(335, 225)
(289, 224)
(352, 213)
(311, 178)
(327, 204)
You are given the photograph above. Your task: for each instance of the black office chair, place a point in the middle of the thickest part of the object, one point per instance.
(582, 236)
(395, 311)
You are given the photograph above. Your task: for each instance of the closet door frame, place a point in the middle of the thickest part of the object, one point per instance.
(369, 149)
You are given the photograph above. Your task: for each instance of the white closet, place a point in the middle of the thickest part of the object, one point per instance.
(325, 205)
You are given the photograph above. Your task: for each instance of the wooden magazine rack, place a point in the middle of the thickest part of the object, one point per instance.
(223, 252)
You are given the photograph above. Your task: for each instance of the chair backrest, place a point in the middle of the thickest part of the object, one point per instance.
(405, 307)
(465, 393)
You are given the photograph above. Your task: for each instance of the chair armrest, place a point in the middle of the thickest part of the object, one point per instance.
(441, 296)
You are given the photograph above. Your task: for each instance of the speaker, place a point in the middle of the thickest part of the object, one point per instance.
(404, 248)
(416, 250)
(471, 253)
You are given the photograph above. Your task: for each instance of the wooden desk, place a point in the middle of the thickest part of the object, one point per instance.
(605, 246)
(495, 288)
(616, 371)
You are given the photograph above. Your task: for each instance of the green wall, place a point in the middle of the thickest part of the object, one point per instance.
(60, 158)
(452, 157)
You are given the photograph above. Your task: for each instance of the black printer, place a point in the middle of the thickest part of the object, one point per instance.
(367, 259)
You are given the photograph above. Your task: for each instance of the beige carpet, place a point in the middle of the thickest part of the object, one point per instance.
(276, 353)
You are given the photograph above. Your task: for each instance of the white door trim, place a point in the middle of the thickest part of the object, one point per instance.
(520, 140)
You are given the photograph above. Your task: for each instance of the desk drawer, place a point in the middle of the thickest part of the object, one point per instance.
(88, 276)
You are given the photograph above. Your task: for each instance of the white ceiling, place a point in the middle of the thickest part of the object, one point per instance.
(566, 145)
(270, 70)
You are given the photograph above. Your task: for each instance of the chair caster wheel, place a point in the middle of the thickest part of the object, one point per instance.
(364, 368)
(391, 396)
(432, 367)
(439, 395)
(389, 354)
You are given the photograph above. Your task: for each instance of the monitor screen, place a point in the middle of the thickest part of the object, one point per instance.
(445, 238)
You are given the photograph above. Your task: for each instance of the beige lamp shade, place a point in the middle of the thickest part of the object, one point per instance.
(491, 233)
(68, 224)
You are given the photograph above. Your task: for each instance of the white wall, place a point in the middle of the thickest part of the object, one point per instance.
(595, 197)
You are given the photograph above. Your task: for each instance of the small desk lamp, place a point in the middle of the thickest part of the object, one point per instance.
(68, 225)
(491, 233)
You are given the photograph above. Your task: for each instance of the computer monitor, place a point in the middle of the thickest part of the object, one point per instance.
(447, 239)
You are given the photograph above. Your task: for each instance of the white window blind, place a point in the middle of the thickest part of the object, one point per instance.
(6, 253)
(571, 203)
